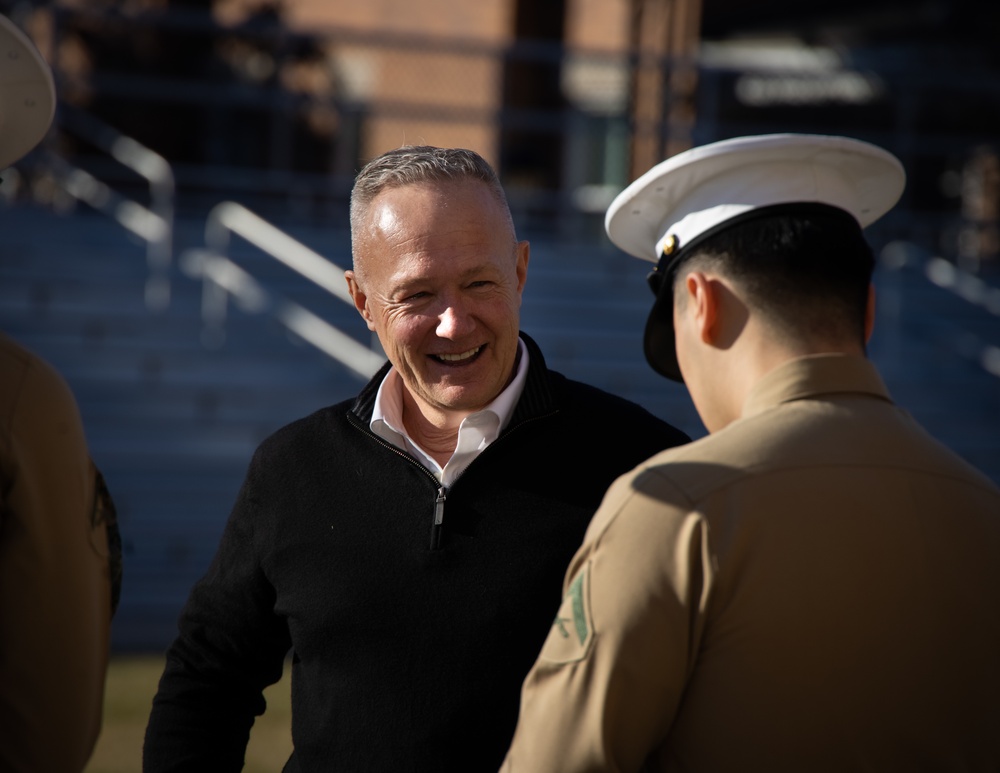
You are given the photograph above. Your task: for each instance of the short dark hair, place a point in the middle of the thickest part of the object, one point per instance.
(806, 273)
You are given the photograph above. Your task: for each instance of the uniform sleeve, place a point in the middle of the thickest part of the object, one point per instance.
(231, 645)
(55, 584)
(604, 691)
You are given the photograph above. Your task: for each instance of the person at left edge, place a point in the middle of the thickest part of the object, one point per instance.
(60, 546)
(407, 545)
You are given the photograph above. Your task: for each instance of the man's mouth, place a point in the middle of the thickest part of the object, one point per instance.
(458, 358)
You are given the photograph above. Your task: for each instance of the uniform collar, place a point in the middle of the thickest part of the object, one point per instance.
(818, 374)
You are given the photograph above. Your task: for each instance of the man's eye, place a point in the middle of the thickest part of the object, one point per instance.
(480, 283)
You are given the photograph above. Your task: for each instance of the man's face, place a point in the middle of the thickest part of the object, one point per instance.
(439, 281)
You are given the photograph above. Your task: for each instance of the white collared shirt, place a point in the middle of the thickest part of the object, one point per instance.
(476, 431)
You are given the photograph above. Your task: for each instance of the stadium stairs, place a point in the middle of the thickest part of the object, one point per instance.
(173, 423)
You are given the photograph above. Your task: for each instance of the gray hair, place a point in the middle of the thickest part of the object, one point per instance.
(413, 164)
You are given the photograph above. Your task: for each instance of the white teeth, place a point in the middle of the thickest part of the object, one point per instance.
(459, 357)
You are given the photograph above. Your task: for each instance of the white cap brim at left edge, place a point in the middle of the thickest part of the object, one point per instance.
(27, 94)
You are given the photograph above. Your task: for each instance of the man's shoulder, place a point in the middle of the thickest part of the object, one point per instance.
(323, 425)
(573, 393)
(816, 450)
(30, 385)
(694, 469)
(19, 365)
(747, 448)
(605, 410)
(583, 404)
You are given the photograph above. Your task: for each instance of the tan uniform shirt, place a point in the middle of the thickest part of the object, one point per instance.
(814, 588)
(55, 583)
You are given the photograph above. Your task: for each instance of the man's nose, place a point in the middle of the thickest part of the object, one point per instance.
(454, 321)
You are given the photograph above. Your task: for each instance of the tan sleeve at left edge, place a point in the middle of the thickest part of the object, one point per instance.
(55, 607)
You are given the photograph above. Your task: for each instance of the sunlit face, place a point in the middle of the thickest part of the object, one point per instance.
(439, 280)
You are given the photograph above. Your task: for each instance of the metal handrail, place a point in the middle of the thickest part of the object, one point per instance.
(83, 186)
(222, 278)
(230, 217)
(150, 165)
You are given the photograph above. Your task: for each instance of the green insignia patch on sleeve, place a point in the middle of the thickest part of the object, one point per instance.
(573, 629)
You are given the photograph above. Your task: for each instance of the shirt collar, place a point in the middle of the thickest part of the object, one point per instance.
(387, 415)
(805, 377)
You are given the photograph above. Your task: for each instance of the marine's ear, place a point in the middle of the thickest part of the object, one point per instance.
(702, 301)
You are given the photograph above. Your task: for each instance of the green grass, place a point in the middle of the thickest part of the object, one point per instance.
(128, 696)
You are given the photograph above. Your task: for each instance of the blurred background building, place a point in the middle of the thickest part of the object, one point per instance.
(175, 246)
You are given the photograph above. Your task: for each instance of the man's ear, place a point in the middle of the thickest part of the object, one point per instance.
(359, 298)
(870, 313)
(523, 253)
(703, 304)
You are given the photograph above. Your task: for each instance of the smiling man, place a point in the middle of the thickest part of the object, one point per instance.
(444, 306)
(406, 546)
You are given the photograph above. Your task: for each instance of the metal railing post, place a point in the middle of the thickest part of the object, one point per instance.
(222, 278)
(156, 170)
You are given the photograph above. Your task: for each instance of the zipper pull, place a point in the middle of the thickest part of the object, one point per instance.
(438, 518)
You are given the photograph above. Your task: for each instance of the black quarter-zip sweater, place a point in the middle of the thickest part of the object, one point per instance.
(409, 640)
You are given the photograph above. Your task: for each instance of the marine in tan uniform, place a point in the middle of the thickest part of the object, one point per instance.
(60, 552)
(815, 585)
(60, 572)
